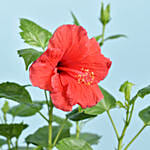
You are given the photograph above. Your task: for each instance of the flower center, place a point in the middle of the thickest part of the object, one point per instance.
(83, 76)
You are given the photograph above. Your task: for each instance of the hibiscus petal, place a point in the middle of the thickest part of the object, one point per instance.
(71, 39)
(94, 61)
(58, 94)
(42, 69)
(67, 92)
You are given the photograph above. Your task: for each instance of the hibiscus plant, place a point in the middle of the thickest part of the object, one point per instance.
(68, 67)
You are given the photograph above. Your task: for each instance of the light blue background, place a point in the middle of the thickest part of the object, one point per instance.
(130, 57)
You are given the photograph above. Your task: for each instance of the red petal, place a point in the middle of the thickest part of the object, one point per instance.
(67, 92)
(42, 69)
(71, 39)
(58, 94)
(94, 61)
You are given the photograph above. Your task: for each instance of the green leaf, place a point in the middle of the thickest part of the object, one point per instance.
(105, 14)
(145, 115)
(24, 110)
(24, 148)
(98, 37)
(143, 92)
(12, 130)
(73, 144)
(33, 34)
(75, 115)
(60, 120)
(75, 20)
(105, 104)
(120, 104)
(15, 92)
(5, 107)
(40, 137)
(115, 37)
(89, 138)
(126, 89)
(2, 142)
(29, 55)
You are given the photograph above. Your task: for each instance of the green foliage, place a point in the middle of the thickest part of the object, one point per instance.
(75, 20)
(40, 137)
(98, 37)
(5, 109)
(89, 138)
(105, 14)
(15, 92)
(145, 115)
(73, 144)
(112, 37)
(33, 34)
(60, 120)
(24, 110)
(143, 92)
(76, 115)
(126, 89)
(12, 130)
(2, 142)
(29, 55)
(105, 104)
(120, 104)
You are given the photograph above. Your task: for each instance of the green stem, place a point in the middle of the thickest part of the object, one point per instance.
(43, 116)
(135, 137)
(120, 140)
(77, 129)
(113, 124)
(48, 106)
(59, 132)
(127, 122)
(16, 144)
(8, 141)
(50, 146)
(103, 31)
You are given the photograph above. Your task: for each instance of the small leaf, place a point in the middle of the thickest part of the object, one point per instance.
(24, 110)
(29, 55)
(75, 115)
(120, 104)
(40, 137)
(105, 104)
(60, 120)
(73, 144)
(145, 115)
(89, 138)
(12, 130)
(2, 142)
(98, 37)
(5, 107)
(33, 34)
(143, 92)
(75, 20)
(115, 37)
(126, 89)
(15, 92)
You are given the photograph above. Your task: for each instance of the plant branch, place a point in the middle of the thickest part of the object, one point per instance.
(77, 129)
(135, 137)
(113, 124)
(50, 126)
(103, 32)
(43, 116)
(59, 132)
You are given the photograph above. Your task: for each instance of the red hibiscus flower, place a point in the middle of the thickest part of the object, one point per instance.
(71, 68)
